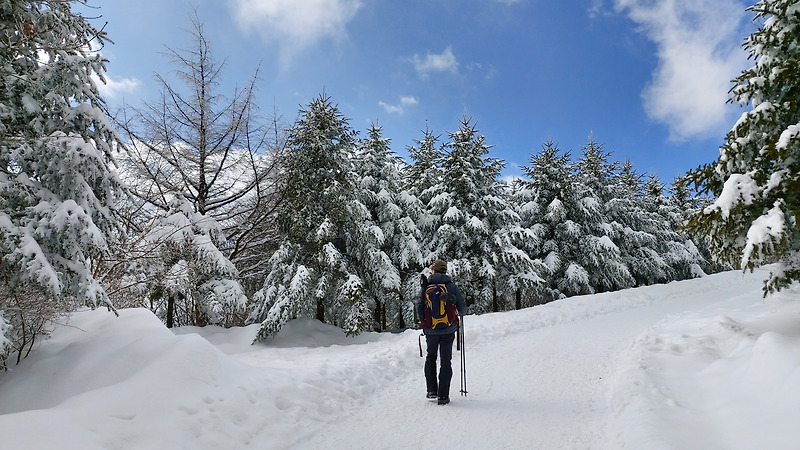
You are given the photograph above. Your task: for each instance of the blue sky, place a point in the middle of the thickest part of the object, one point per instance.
(648, 79)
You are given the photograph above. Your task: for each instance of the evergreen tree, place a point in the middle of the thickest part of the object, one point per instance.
(56, 185)
(601, 256)
(478, 229)
(312, 274)
(595, 171)
(388, 247)
(756, 180)
(686, 203)
(640, 230)
(682, 197)
(421, 181)
(523, 199)
(423, 176)
(678, 249)
(549, 176)
(189, 280)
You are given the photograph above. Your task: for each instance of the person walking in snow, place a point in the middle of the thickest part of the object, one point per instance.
(438, 302)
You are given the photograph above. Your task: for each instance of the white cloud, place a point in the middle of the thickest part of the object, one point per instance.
(489, 73)
(295, 24)
(443, 62)
(595, 9)
(114, 88)
(699, 52)
(408, 100)
(400, 108)
(111, 88)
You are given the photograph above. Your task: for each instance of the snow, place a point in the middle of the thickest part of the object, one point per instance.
(37, 264)
(787, 136)
(697, 364)
(776, 178)
(765, 230)
(476, 224)
(738, 188)
(5, 328)
(608, 244)
(30, 104)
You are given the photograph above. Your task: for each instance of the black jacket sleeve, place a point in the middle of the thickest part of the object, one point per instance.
(461, 304)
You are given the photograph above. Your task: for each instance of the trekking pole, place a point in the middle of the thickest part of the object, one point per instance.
(463, 359)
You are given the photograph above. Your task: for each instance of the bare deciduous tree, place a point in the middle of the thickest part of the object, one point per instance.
(214, 151)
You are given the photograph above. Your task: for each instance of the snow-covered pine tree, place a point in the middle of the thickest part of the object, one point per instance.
(55, 154)
(523, 198)
(312, 274)
(595, 171)
(638, 230)
(549, 176)
(756, 179)
(421, 178)
(387, 246)
(420, 182)
(600, 255)
(683, 198)
(686, 203)
(478, 228)
(189, 280)
(678, 250)
(524, 286)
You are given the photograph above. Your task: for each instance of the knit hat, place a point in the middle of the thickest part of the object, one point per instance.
(439, 265)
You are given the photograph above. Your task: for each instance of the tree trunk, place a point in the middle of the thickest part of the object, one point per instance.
(170, 311)
(518, 299)
(377, 317)
(320, 310)
(401, 321)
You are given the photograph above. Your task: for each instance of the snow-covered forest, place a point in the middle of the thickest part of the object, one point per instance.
(204, 210)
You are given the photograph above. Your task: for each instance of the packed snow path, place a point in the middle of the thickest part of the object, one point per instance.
(699, 364)
(539, 378)
(531, 385)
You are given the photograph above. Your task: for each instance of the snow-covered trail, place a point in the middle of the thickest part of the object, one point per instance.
(530, 383)
(697, 364)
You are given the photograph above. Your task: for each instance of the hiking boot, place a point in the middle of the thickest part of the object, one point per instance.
(430, 395)
(444, 400)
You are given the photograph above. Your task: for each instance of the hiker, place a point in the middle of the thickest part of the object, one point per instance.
(440, 337)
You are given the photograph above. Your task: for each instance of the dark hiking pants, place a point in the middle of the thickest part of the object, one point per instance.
(442, 344)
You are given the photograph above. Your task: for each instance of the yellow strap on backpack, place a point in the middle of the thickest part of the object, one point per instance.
(442, 312)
